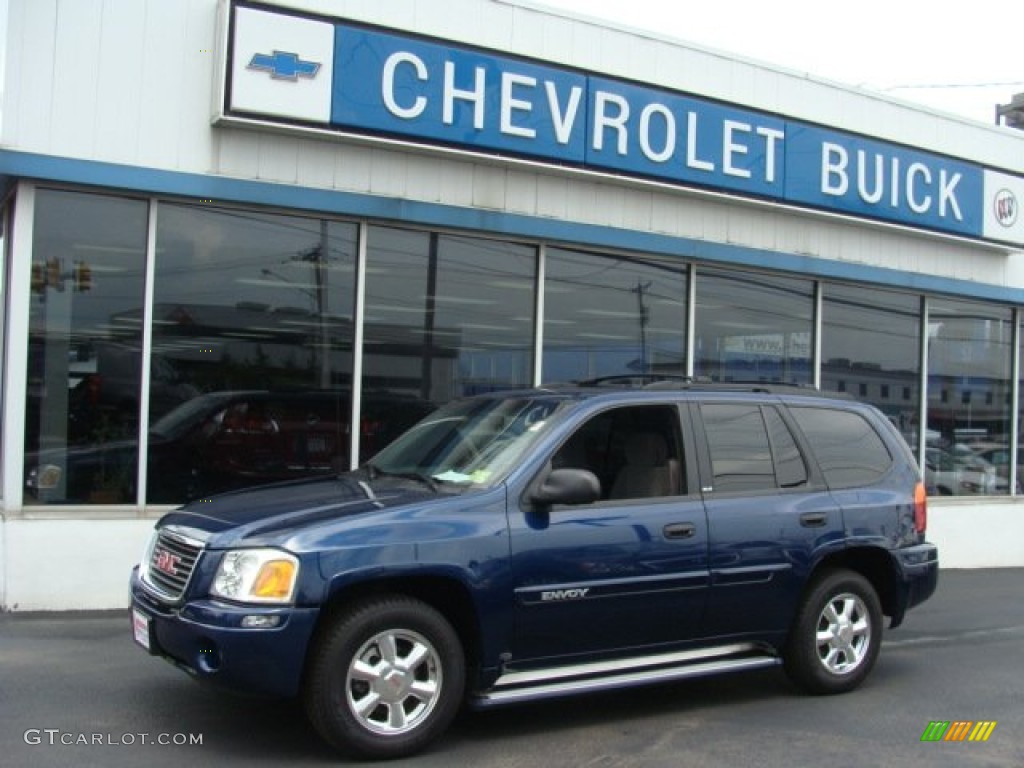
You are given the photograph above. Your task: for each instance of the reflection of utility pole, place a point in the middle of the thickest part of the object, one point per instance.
(317, 256)
(429, 320)
(645, 318)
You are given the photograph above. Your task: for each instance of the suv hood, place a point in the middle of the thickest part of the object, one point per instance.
(270, 510)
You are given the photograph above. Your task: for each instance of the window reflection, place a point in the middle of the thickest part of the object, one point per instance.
(85, 360)
(753, 327)
(611, 316)
(253, 323)
(250, 379)
(446, 316)
(871, 344)
(969, 346)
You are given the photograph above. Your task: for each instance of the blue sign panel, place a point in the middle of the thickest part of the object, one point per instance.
(649, 132)
(390, 84)
(837, 171)
(397, 85)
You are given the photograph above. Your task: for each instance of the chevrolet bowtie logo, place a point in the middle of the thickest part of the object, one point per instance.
(283, 65)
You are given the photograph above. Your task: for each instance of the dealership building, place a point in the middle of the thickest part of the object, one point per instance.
(249, 241)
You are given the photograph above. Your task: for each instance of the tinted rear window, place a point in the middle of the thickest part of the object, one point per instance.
(751, 449)
(848, 449)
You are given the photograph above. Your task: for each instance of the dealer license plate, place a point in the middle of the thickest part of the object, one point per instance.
(141, 628)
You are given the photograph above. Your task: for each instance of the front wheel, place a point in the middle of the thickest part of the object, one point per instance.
(385, 678)
(835, 639)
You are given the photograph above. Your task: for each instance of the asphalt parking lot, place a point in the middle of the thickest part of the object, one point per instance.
(75, 691)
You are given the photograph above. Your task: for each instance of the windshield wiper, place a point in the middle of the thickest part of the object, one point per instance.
(373, 472)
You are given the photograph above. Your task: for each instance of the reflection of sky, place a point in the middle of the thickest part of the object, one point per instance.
(228, 257)
(483, 297)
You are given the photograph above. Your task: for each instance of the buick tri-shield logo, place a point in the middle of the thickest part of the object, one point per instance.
(1005, 207)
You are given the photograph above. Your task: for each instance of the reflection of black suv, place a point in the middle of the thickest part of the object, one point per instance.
(516, 546)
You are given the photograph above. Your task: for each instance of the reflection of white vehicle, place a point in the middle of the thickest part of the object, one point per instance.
(958, 474)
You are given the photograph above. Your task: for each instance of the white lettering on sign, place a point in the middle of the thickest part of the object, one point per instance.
(669, 121)
(691, 146)
(474, 96)
(387, 85)
(510, 103)
(731, 148)
(771, 137)
(515, 109)
(916, 183)
(616, 122)
(563, 120)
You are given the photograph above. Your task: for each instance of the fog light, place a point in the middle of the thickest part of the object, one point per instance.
(260, 622)
(209, 657)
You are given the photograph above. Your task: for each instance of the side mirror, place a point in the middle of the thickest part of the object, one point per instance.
(567, 486)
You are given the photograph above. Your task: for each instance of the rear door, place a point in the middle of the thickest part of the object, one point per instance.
(770, 515)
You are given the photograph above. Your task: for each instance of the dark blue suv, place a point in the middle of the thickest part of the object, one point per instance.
(522, 545)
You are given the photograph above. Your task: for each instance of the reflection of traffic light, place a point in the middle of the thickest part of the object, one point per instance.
(83, 277)
(38, 278)
(53, 279)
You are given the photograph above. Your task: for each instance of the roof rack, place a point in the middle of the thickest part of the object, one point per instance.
(667, 381)
(763, 387)
(635, 380)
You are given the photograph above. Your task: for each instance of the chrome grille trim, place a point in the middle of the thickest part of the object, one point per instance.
(171, 563)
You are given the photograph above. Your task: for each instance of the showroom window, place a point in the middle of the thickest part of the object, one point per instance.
(871, 340)
(250, 377)
(753, 327)
(446, 316)
(612, 316)
(969, 398)
(85, 351)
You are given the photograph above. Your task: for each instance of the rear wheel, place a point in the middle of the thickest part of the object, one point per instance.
(385, 678)
(835, 639)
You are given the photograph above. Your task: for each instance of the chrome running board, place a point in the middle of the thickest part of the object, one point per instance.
(531, 685)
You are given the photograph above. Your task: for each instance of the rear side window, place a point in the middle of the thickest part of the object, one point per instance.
(848, 449)
(751, 449)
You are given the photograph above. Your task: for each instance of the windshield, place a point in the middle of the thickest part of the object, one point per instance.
(470, 442)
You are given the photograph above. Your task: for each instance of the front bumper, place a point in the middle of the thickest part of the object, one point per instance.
(918, 568)
(207, 639)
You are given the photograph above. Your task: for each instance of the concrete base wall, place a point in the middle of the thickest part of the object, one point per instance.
(69, 565)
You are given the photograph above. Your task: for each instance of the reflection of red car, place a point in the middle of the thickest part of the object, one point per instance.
(266, 436)
(226, 440)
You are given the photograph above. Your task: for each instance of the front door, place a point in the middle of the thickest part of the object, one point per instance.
(628, 571)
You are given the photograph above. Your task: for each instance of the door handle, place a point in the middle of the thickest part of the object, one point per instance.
(679, 530)
(813, 519)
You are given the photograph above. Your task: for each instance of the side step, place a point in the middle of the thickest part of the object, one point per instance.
(513, 687)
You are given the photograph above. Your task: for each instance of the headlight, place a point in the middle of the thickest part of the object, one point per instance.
(257, 576)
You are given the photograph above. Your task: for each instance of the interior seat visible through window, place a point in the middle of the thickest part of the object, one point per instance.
(648, 470)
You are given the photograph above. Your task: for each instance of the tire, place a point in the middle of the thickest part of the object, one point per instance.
(385, 678)
(836, 636)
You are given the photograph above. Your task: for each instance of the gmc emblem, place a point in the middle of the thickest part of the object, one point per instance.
(166, 562)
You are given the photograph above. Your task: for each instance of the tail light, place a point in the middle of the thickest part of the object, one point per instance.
(920, 508)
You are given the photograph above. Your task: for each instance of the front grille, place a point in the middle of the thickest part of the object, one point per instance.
(171, 564)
